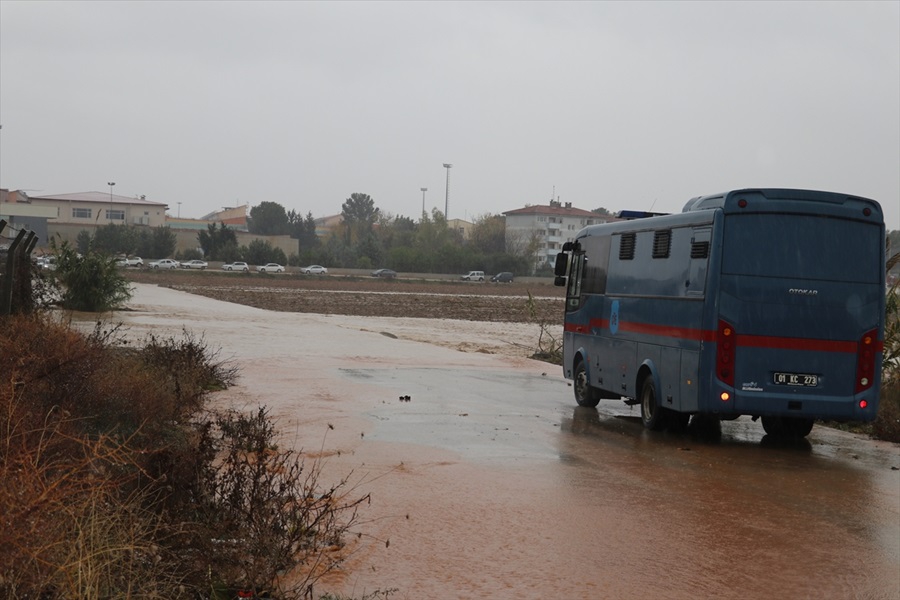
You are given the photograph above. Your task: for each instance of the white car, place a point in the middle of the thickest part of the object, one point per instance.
(194, 264)
(473, 276)
(135, 261)
(47, 263)
(165, 263)
(236, 266)
(270, 268)
(314, 270)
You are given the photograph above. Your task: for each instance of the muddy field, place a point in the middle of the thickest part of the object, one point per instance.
(366, 296)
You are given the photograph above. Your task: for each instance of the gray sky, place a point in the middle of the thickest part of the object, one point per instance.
(621, 105)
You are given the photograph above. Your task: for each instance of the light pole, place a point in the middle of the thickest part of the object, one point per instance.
(179, 210)
(423, 200)
(447, 193)
(110, 184)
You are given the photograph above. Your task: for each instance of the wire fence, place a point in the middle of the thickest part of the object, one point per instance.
(16, 246)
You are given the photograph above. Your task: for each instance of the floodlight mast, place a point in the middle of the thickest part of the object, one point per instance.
(110, 184)
(447, 193)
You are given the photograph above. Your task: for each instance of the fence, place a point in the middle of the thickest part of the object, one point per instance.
(15, 270)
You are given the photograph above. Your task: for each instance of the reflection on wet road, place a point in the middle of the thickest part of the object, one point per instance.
(489, 482)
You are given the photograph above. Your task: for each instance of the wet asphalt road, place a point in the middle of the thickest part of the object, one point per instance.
(488, 482)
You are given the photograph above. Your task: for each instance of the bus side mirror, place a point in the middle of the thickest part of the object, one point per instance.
(559, 281)
(561, 268)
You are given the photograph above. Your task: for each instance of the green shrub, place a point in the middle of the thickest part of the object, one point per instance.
(90, 282)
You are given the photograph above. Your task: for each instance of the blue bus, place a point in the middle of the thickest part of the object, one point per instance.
(761, 302)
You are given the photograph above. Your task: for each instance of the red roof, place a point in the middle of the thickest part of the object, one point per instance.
(553, 210)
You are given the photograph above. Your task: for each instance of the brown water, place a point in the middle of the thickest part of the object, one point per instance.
(490, 483)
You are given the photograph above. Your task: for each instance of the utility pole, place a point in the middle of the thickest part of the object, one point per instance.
(447, 193)
(110, 184)
(423, 201)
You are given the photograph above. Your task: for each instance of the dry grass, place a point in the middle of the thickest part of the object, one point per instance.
(119, 484)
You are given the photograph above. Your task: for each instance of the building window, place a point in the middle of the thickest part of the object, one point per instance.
(81, 213)
(115, 215)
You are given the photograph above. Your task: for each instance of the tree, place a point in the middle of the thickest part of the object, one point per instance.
(83, 241)
(260, 252)
(489, 234)
(214, 241)
(115, 239)
(158, 242)
(268, 218)
(602, 211)
(303, 230)
(359, 215)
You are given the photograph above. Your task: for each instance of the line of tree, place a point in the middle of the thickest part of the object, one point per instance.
(369, 238)
(365, 238)
(129, 240)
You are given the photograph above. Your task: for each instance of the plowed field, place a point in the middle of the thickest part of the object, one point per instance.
(365, 296)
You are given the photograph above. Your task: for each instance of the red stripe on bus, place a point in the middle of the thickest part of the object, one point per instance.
(682, 333)
(786, 343)
(748, 341)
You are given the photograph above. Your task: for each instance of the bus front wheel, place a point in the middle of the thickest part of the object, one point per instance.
(652, 414)
(585, 394)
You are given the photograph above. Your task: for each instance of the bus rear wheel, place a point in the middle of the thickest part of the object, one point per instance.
(585, 393)
(652, 414)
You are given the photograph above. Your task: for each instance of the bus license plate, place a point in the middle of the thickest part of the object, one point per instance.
(798, 379)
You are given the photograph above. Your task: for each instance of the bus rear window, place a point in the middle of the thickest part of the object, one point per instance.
(802, 247)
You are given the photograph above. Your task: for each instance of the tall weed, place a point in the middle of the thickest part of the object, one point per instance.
(118, 482)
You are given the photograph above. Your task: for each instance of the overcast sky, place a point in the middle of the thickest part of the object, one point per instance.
(623, 105)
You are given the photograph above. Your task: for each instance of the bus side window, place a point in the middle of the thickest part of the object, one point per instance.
(696, 283)
(596, 252)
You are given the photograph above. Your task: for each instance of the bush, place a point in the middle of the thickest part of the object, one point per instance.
(887, 423)
(118, 482)
(91, 282)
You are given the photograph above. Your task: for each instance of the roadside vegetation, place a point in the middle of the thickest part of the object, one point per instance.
(121, 482)
(887, 425)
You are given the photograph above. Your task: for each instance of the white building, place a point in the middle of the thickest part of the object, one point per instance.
(101, 208)
(546, 228)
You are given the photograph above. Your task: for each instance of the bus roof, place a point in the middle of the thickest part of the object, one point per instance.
(701, 210)
(789, 200)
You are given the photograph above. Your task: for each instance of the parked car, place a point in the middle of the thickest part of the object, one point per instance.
(165, 263)
(473, 276)
(384, 273)
(194, 264)
(46, 263)
(270, 268)
(236, 266)
(502, 277)
(124, 261)
(314, 270)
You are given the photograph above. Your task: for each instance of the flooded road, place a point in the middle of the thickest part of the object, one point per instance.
(488, 481)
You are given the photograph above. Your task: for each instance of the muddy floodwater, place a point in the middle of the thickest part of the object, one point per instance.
(489, 482)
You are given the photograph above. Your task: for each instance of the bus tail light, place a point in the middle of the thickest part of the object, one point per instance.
(725, 346)
(865, 361)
